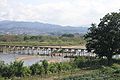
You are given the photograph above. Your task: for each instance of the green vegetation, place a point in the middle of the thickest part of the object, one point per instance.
(79, 68)
(103, 73)
(16, 69)
(65, 39)
(104, 39)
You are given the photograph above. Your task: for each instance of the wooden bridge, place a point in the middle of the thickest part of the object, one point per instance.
(46, 50)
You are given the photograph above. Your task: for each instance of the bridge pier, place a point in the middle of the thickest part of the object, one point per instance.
(45, 50)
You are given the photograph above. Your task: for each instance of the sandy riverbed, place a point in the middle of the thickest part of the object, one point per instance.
(48, 58)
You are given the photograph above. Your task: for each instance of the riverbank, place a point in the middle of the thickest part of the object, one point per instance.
(31, 59)
(48, 58)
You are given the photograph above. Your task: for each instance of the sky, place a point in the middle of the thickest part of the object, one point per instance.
(61, 12)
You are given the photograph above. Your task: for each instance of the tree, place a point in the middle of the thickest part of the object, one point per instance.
(104, 38)
(67, 35)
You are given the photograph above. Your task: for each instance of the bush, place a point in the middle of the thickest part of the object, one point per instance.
(117, 68)
(14, 69)
(80, 61)
(45, 66)
(2, 65)
(66, 66)
(37, 69)
(6, 71)
(53, 68)
(107, 70)
(26, 71)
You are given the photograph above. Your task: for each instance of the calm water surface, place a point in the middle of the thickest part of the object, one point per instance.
(8, 58)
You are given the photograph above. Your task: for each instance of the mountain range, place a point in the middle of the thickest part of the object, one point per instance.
(37, 28)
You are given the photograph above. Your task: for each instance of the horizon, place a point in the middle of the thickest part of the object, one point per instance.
(58, 12)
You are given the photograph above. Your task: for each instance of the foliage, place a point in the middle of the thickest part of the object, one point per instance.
(104, 39)
(40, 40)
(67, 35)
(37, 69)
(18, 69)
(1, 78)
(53, 68)
(14, 69)
(66, 66)
(2, 65)
(45, 66)
(91, 62)
(104, 73)
(25, 71)
(79, 61)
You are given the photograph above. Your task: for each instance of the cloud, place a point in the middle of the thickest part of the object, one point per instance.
(63, 12)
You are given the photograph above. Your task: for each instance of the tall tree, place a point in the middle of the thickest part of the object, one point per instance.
(104, 38)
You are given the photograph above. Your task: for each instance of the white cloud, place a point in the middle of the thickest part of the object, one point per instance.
(64, 12)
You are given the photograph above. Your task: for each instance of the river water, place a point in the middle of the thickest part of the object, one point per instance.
(12, 56)
(8, 58)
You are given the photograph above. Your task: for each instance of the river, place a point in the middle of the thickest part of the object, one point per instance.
(29, 59)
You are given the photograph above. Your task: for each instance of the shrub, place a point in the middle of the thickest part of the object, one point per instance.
(107, 70)
(2, 65)
(65, 66)
(26, 71)
(79, 61)
(117, 68)
(14, 69)
(45, 66)
(53, 67)
(36, 69)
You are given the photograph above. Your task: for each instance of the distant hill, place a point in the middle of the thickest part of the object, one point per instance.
(36, 28)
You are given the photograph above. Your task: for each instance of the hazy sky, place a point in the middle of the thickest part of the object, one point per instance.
(63, 12)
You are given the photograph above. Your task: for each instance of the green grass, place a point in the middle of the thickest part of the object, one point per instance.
(104, 73)
(35, 43)
(56, 76)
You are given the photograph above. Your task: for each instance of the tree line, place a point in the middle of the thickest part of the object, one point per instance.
(40, 38)
(65, 39)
